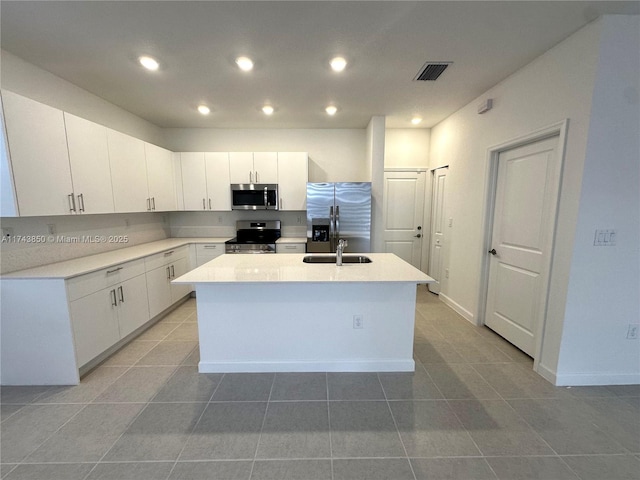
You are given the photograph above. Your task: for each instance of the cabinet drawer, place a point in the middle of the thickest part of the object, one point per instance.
(83, 285)
(208, 251)
(291, 247)
(164, 258)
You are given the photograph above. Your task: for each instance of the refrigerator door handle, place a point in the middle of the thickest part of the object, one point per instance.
(337, 224)
(331, 229)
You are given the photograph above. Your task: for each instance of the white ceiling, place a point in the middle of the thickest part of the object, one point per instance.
(95, 44)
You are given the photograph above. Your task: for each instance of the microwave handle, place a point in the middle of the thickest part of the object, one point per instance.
(266, 197)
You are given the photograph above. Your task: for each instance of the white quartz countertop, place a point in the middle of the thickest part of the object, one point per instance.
(292, 240)
(91, 263)
(385, 267)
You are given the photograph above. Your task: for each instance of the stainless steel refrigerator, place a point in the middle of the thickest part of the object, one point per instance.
(339, 210)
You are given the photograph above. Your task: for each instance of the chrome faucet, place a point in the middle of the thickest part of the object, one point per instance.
(341, 244)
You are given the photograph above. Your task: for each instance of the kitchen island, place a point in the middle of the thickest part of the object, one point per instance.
(275, 313)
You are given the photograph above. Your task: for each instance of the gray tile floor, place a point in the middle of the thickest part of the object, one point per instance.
(473, 409)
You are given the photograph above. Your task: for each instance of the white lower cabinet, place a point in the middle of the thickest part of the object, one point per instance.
(104, 317)
(95, 325)
(161, 269)
(206, 252)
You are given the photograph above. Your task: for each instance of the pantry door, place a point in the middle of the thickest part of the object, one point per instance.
(438, 216)
(403, 214)
(523, 220)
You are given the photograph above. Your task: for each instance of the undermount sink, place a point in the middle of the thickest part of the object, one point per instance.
(332, 259)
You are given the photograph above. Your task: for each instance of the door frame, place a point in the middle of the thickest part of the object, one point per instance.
(429, 191)
(558, 129)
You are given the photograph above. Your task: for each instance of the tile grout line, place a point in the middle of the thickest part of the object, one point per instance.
(195, 425)
(326, 387)
(395, 424)
(264, 420)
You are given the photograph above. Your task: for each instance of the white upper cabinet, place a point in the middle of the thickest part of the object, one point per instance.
(89, 159)
(177, 180)
(265, 165)
(218, 181)
(293, 173)
(162, 191)
(194, 181)
(253, 167)
(205, 180)
(37, 144)
(128, 172)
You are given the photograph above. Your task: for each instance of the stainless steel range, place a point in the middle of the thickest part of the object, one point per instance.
(254, 237)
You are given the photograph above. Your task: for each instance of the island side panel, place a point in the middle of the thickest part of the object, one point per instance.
(304, 327)
(36, 335)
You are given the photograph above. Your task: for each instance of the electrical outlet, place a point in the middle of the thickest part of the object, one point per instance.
(450, 222)
(51, 228)
(446, 273)
(632, 331)
(357, 321)
(127, 223)
(299, 219)
(164, 219)
(219, 218)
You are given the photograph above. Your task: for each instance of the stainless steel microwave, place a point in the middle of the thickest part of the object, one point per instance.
(254, 196)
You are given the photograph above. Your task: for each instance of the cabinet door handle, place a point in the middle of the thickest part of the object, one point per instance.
(250, 177)
(168, 274)
(114, 270)
(114, 300)
(72, 202)
(153, 200)
(209, 204)
(81, 202)
(173, 272)
(257, 177)
(204, 207)
(148, 204)
(121, 292)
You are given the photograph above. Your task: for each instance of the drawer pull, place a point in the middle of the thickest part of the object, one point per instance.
(166, 254)
(212, 247)
(114, 270)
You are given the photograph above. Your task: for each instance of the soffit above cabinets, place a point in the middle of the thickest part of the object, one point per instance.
(95, 45)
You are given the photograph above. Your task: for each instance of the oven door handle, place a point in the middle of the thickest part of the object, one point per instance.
(266, 198)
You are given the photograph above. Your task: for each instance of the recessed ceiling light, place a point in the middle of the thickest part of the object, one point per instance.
(204, 110)
(416, 120)
(338, 64)
(331, 110)
(268, 110)
(244, 63)
(149, 63)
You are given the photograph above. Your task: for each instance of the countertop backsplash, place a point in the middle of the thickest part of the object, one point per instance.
(32, 244)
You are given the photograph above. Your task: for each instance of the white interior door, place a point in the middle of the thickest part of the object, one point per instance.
(525, 201)
(438, 219)
(403, 215)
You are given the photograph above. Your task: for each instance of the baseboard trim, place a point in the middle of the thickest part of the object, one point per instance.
(587, 379)
(466, 314)
(306, 366)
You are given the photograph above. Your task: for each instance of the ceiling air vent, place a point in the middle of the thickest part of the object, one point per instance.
(431, 71)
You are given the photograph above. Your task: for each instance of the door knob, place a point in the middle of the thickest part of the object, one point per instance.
(418, 235)
(493, 251)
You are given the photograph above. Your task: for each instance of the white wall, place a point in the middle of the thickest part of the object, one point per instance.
(557, 85)
(334, 155)
(407, 147)
(604, 284)
(375, 160)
